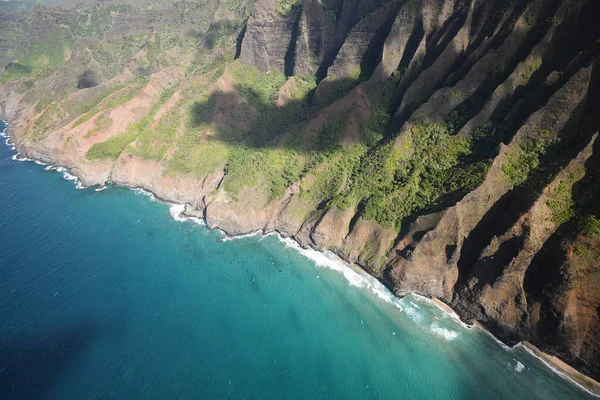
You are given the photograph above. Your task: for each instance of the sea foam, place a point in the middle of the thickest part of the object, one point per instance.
(17, 157)
(248, 235)
(329, 260)
(447, 334)
(70, 177)
(557, 371)
(176, 211)
(518, 367)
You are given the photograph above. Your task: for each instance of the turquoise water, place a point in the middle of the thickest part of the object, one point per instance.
(105, 295)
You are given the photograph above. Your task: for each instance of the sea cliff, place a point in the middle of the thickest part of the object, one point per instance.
(449, 148)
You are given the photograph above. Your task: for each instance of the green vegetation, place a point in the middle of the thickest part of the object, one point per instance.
(147, 149)
(396, 180)
(152, 144)
(586, 223)
(202, 110)
(220, 33)
(258, 88)
(43, 56)
(261, 90)
(561, 197)
(589, 225)
(587, 246)
(105, 100)
(331, 14)
(301, 86)
(197, 157)
(331, 173)
(165, 95)
(391, 180)
(248, 159)
(48, 51)
(114, 53)
(114, 146)
(52, 114)
(562, 205)
(522, 162)
(384, 102)
(102, 123)
(338, 87)
(15, 71)
(272, 169)
(526, 75)
(285, 7)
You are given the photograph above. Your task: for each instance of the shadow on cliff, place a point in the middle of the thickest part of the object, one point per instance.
(29, 366)
(554, 271)
(274, 125)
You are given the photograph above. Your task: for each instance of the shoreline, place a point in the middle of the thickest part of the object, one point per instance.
(324, 258)
(558, 366)
(563, 369)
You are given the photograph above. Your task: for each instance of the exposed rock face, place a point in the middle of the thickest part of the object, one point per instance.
(267, 37)
(518, 251)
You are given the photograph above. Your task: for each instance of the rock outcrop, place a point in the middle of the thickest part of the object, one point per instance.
(450, 148)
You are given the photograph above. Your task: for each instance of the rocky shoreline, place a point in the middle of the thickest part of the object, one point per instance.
(447, 147)
(561, 368)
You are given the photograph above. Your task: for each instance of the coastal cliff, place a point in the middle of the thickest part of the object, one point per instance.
(449, 148)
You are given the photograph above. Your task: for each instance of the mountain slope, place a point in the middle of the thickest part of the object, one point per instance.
(447, 147)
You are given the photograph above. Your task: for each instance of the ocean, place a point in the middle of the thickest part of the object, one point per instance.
(112, 295)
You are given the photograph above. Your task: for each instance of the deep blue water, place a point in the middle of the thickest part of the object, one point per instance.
(105, 295)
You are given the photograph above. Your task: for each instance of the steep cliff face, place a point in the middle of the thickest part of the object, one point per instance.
(522, 71)
(448, 147)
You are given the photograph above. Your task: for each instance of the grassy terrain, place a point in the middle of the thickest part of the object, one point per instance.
(43, 56)
(48, 51)
(248, 159)
(113, 147)
(102, 123)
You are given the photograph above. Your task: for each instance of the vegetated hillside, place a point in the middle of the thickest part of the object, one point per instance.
(448, 147)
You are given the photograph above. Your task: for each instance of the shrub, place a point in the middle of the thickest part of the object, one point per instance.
(522, 162)
(589, 225)
(258, 88)
(113, 147)
(285, 7)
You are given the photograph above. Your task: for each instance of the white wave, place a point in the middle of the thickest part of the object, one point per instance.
(146, 193)
(70, 177)
(100, 188)
(518, 367)
(557, 371)
(17, 157)
(248, 235)
(262, 236)
(329, 260)
(414, 305)
(176, 211)
(39, 162)
(413, 314)
(447, 313)
(504, 346)
(195, 220)
(447, 334)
